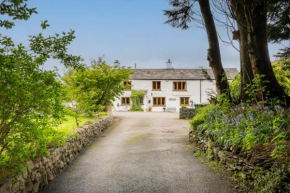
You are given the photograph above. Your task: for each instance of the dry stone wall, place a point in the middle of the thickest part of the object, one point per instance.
(186, 113)
(44, 169)
(232, 162)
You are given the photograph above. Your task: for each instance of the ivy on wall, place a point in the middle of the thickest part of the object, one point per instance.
(136, 96)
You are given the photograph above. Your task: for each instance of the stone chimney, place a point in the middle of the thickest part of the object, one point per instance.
(168, 64)
(117, 63)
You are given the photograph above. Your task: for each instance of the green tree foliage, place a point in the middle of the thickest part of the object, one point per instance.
(278, 20)
(136, 96)
(282, 73)
(15, 10)
(95, 87)
(235, 87)
(30, 98)
(278, 25)
(54, 47)
(30, 106)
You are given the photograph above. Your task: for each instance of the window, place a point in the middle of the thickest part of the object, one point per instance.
(125, 101)
(184, 101)
(179, 86)
(158, 101)
(127, 84)
(156, 85)
(141, 101)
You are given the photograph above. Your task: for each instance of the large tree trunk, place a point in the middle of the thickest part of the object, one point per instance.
(256, 17)
(213, 55)
(246, 68)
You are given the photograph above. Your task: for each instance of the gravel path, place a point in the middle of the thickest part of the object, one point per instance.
(141, 152)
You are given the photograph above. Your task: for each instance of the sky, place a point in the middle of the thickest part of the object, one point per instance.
(132, 31)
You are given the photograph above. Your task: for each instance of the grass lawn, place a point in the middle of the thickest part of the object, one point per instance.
(70, 123)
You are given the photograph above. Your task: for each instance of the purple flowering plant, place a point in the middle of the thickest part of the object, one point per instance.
(242, 126)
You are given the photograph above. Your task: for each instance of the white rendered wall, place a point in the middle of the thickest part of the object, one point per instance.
(196, 91)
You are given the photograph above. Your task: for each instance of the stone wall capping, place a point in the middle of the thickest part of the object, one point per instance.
(41, 170)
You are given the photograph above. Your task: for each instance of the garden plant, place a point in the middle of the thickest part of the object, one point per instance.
(136, 96)
(256, 131)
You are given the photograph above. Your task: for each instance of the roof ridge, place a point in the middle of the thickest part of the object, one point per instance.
(177, 73)
(174, 68)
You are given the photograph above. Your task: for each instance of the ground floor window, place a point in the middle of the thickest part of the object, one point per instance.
(142, 101)
(184, 101)
(159, 101)
(125, 101)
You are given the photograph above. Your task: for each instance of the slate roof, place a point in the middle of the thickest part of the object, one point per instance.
(178, 74)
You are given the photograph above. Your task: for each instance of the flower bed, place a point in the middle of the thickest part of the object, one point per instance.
(259, 135)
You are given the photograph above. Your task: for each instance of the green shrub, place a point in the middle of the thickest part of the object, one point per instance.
(30, 98)
(197, 107)
(275, 180)
(281, 72)
(244, 125)
(258, 131)
(235, 86)
(201, 116)
(136, 96)
(199, 153)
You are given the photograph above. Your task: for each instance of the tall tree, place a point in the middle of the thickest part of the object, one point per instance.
(256, 18)
(259, 21)
(181, 15)
(236, 12)
(213, 54)
(246, 69)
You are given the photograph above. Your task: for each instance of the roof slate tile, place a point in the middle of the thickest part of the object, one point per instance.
(178, 74)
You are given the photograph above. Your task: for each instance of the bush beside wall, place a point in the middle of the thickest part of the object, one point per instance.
(44, 169)
(261, 175)
(233, 162)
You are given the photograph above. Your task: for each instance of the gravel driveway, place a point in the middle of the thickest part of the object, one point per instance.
(141, 152)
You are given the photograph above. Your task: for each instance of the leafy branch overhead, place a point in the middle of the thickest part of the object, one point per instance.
(54, 47)
(15, 10)
(181, 14)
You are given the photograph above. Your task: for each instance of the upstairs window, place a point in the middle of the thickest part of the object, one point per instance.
(158, 101)
(156, 85)
(179, 86)
(184, 101)
(125, 101)
(128, 85)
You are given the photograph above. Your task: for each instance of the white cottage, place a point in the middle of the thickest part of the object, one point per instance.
(169, 88)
